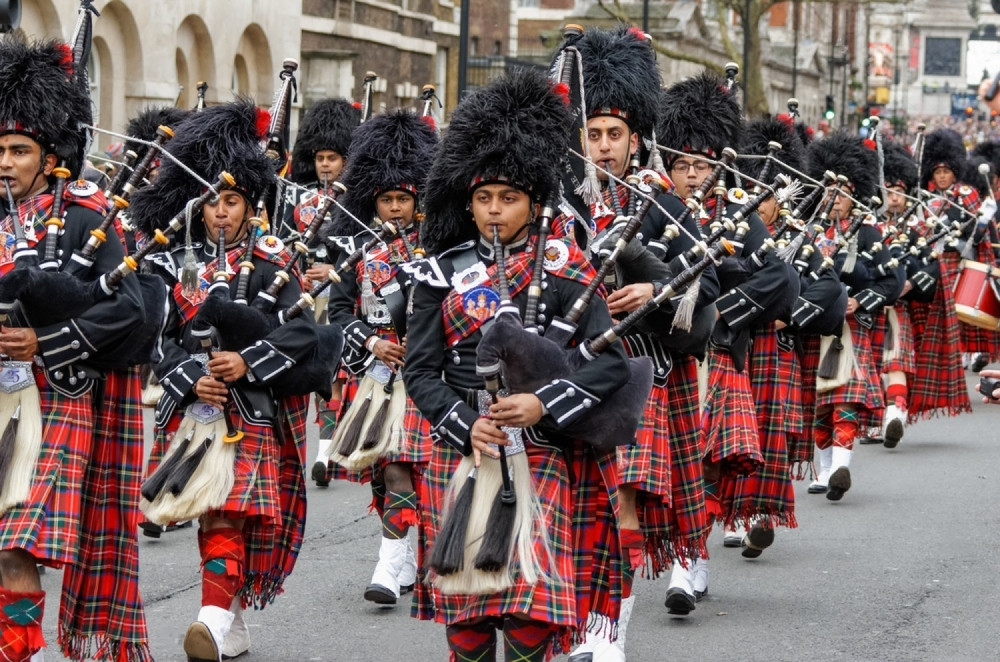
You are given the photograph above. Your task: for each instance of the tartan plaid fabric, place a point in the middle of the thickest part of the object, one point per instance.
(101, 605)
(938, 385)
(864, 388)
(33, 213)
(906, 359)
(21, 624)
(269, 491)
(973, 339)
(580, 521)
(460, 322)
(187, 306)
(273, 547)
(686, 516)
(775, 380)
(47, 525)
(383, 263)
(350, 389)
(645, 465)
(728, 434)
(808, 352)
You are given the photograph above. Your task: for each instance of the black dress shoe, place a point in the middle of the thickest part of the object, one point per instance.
(320, 475)
(840, 482)
(582, 657)
(893, 433)
(757, 539)
(867, 439)
(679, 602)
(981, 361)
(817, 489)
(380, 595)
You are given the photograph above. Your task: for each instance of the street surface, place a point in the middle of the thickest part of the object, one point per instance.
(904, 568)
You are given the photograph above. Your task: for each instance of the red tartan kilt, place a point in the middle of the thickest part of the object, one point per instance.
(645, 465)
(255, 490)
(686, 515)
(938, 383)
(906, 360)
(775, 383)
(864, 388)
(728, 424)
(47, 525)
(973, 339)
(546, 602)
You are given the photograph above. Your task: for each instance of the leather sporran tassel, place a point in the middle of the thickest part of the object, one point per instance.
(831, 359)
(448, 554)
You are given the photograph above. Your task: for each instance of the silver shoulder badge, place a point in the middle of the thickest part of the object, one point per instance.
(556, 255)
(426, 271)
(270, 244)
(81, 188)
(465, 280)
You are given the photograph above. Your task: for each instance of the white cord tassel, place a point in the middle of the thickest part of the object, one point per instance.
(189, 271)
(684, 317)
(590, 188)
(787, 253)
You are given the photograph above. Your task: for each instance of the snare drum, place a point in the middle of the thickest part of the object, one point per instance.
(976, 300)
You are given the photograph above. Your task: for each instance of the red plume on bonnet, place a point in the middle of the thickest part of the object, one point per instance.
(562, 89)
(263, 122)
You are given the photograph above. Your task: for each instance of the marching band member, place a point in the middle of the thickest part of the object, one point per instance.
(944, 161)
(60, 479)
(497, 164)
(701, 118)
(252, 516)
(383, 438)
(853, 397)
(621, 83)
(319, 157)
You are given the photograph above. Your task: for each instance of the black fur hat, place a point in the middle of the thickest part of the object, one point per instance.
(699, 115)
(755, 140)
(40, 98)
(899, 166)
(846, 154)
(327, 125)
(220, 138)
(620, 76)
(512, 130)
(942, 147)
(389, 152)
(144, 125)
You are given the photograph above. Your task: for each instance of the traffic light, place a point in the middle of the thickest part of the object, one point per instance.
(830, 112)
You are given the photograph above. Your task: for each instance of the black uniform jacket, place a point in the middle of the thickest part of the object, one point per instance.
(75, 351)
(441, 378)
(274, 353)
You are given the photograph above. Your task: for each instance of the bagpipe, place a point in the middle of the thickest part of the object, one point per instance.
(197, 471)
(369, 432)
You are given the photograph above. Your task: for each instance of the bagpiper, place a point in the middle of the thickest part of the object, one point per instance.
(383, 439)
(59, 477)
(498, 163)
(230, 426)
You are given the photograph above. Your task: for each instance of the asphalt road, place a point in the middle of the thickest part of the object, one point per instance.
(904, 568)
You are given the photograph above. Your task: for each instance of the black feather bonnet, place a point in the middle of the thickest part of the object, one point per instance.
(699, 115)
(143, 126)
(41, 98)
(846, 154)
(942, 147)
(392, 151)
(620, 77)
(758, 134)
(327, 125)
(512, 130)
(220, 138)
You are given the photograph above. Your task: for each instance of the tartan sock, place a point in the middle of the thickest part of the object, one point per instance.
(378, 498)
(326, 416)
(20, 624)
(634, 544)
(222, 562)
(399, 515)
(525, 641)
(472, 642)
(845, 427)
(823, 430)
(897, 393)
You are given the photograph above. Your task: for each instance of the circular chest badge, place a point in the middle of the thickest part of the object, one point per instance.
(556, 255)
(481, 303)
